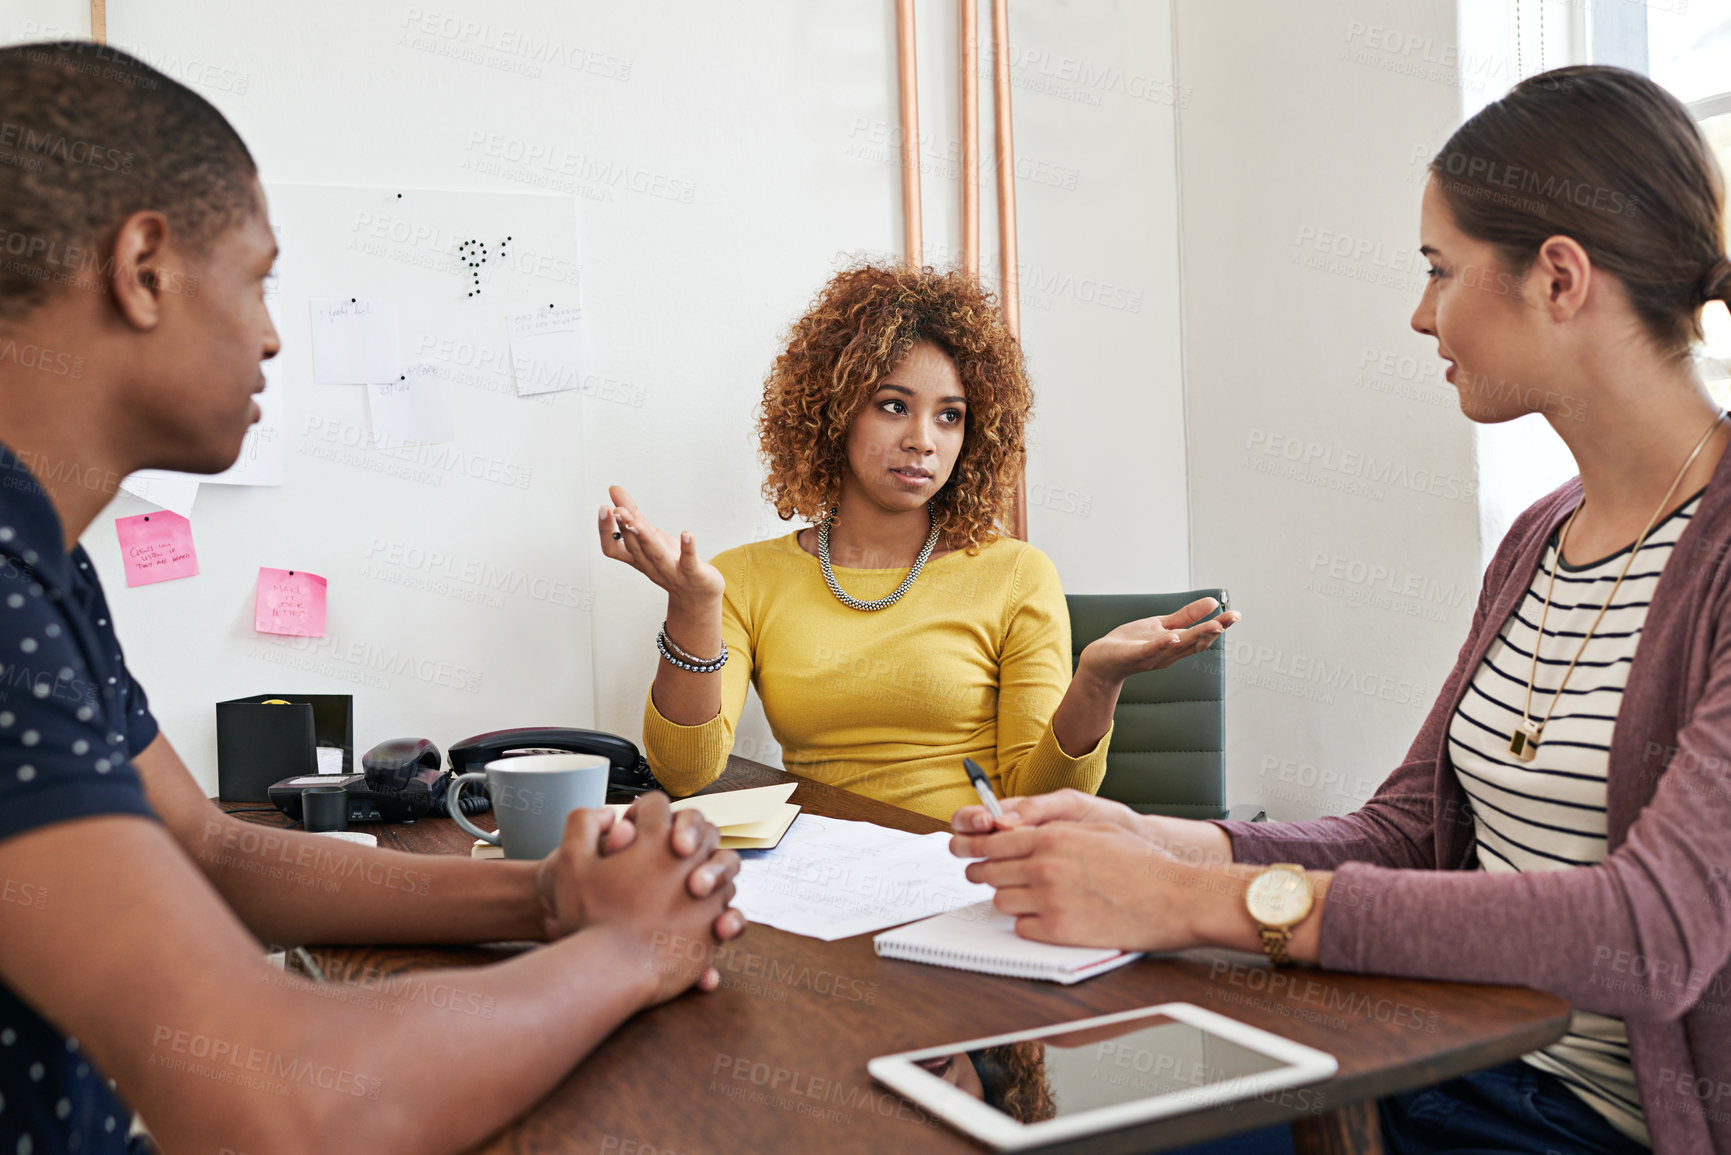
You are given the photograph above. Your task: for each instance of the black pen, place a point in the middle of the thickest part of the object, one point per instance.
(983, 787)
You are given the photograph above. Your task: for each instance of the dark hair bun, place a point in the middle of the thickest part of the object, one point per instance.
(1611, 159)
(1716, 282)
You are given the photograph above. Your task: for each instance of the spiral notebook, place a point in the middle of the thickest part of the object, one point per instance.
(981, 938)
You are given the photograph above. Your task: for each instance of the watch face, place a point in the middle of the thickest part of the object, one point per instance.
(1278, 897)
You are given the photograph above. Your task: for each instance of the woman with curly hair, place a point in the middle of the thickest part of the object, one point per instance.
(1010, 1077)
(901, 632)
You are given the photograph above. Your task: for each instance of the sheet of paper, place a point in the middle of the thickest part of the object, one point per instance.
(290, 601)
(415, 410)
(264, 453)
(156, 547)
(832, 879)
(262, 460)
(163, 489)
(355, 342)
(549, 350)
(330, 759)
(360, 837)
(273, 280)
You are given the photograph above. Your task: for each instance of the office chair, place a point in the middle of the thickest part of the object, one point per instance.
(1168, 753)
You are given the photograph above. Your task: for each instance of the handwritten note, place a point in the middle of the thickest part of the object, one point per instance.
(417, 410)
(290, 601)
(549, 350)
(355, 342)
(156, 547)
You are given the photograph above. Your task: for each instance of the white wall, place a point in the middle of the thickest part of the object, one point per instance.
(1332, 477)
(757, 142)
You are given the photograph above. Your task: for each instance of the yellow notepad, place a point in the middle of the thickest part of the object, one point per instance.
(761, 835)
(752, 819)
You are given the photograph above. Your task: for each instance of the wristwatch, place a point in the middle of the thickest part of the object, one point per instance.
(1278, 899)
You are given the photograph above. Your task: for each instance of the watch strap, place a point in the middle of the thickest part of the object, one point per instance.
(1274, 941)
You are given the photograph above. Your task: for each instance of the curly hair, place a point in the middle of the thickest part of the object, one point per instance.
(862, 323)
(1013, 1078)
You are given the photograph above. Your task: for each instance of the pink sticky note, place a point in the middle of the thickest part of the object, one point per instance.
(290, 601)
(156, 547)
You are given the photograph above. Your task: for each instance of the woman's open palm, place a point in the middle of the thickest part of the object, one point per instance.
(670, 562)
(1155, 643)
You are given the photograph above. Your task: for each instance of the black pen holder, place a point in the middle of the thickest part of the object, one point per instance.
(268, 737)
(324, 809)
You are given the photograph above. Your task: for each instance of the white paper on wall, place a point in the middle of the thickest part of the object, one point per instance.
(415, 410)
(355, 341)
(264, 452)
(549, 350)
(165, 490)
(425, 533)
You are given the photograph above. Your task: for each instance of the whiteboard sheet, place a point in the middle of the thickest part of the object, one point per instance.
(459, 579)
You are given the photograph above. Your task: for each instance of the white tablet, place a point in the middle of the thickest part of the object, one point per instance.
(1080, 1078)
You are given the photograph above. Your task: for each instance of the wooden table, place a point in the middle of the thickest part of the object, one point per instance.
(776, 1059)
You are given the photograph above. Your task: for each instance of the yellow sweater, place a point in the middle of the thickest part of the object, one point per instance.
(970, 663)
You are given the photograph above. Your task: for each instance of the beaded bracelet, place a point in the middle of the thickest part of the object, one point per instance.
(682, 653)
(694, 665)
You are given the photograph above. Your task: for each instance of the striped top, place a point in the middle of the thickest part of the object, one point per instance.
(1549, 814)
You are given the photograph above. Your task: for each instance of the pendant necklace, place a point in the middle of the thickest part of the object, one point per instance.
(1524, 742)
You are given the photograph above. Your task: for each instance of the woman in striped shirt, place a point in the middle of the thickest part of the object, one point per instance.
(1563, 820)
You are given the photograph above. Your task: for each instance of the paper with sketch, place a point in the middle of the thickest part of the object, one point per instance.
(164, 489)
(262, 459)
(549, 351)
(416, 410)
(264, 453)
(833, 879)
(273, 279)
(156, 547)
(355, 342)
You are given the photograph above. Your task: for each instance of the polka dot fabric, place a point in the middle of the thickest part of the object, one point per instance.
(71, 718)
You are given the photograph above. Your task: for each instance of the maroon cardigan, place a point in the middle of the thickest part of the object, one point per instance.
(1646, 934)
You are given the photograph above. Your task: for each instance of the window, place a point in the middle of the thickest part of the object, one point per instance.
(1687, 46)
(1688, 42)
(1682, 44)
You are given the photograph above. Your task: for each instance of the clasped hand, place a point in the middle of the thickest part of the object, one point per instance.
(653, 873)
